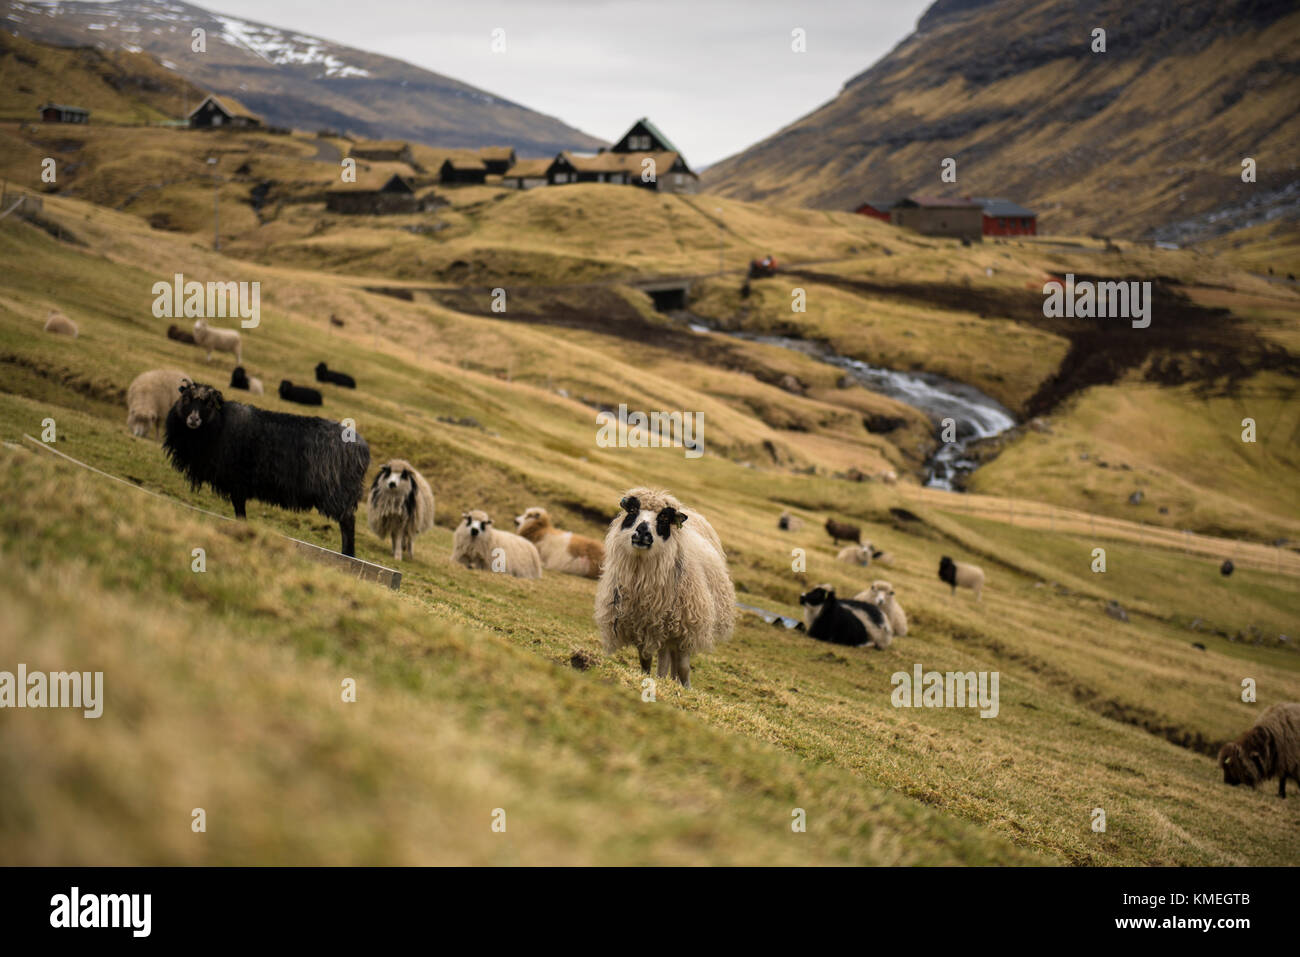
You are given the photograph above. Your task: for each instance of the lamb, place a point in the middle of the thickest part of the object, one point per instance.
(855, 554)
(239, 379)
(219, 340)
(401, 506)
(477, 544)
(842, 530)
(789, 523)
(323, 374)
(860, 624)
(149, 397)
(303, 395)
(180, 335)
(960, 573)
(881, 594)
(665, 588)
(60, 324)
(243, 452)
(1271, 747)
(560, 551)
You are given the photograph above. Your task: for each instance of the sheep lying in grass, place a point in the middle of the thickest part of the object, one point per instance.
(560, 551)
(180, 335)
(843, 531)
(863, 555)
(239, 379)
(789, 523)
(477, 544)
(218, 340)
(860, 624)
(401, 506)
(1271, 747)
(881, 594)
(244, 452)
(325, 374)
(60, 324)
(301, 394)
(961, 574)
(149, 397)
(665, 588)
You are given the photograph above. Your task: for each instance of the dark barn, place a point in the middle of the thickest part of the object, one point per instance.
(373, 197)
(57, 113)
(1005, 218)
(876, 208)
(497, 159)
(219, 111)
(462, 170)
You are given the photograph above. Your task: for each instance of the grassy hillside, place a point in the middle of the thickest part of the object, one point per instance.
(478, 692)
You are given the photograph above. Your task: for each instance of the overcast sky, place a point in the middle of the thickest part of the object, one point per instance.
(715, 75)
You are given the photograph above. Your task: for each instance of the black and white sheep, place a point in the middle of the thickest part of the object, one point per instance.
(881, 594)
(243, 452)
(844, 621)
(961, 574)
(240, 379)
(665, 588)
(301, 394)
(476, 544)
(401, 506)
(325, 374)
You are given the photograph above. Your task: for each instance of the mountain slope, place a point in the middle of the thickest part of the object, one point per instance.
(1150, 132)
(296, 80)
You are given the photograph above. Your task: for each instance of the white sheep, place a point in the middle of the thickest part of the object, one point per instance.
(401, 506)
(960, 573)
(665, 588)
(855, 555)
(477, 544)
(60, 324)
(149, 397)
(561, 551)
(881, 594)
(222, 340)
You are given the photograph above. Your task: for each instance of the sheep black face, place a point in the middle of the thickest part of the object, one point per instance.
(644, 525)
(817, 597)
(476, 525)
(948, 571)
(200, 405)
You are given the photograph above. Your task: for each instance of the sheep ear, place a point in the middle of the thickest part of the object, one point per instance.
(630, 503)
(679, 519)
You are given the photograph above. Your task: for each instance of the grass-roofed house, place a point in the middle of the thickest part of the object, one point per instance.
(382, 151)
(373, 194)
(497, 159)
(642, 157)
(218, 111)
(58, 113)
(462, 169)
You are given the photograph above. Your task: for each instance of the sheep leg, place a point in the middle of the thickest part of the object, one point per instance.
(348, 526)
(397, 546)
(646, 662)
(665, 662)
(1281, 787)
(682, 668)
(239, 507)
(408, 546)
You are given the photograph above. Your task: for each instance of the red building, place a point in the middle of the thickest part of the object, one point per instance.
(878, 208)
(1005, 218)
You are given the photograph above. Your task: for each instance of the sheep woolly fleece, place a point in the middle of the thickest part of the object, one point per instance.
(678, 595)
(221, 340)
(150, 397)
(60, 324)
(561, 551)
(881, 593)
(1271, 747)
(475, 551)
(402, 512)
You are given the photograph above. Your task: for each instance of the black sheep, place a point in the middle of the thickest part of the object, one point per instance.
(844, 621)
(323, 374)
(180, 335)
(243, 452)
(301, 394)
(1226, 568)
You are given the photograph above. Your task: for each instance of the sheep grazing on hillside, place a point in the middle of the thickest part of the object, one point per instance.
(243, 452)
(218, 340)
(888, 476)
(239, 379)
(401, 506)
(324, 374)
(960, 574)
(881, 594)
(560, 551)
(842, 531)
(59, 324)
(303, 395)
(180, 335)
(840, 621)
(1226, 568)
(789, 523)
(1271, 747)
(477, 544)
(665, 589)
(149, 397)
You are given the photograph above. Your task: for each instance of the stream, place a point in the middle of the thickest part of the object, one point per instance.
(977, 416)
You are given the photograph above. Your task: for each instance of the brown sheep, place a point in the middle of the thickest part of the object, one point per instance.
(1271, 747)
(560, 551)
(843, 531)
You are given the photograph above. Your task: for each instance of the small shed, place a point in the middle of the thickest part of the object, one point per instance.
(372, 196)
(217, 111)
(940, 216)
(497, 159)
(382, 151)
(526, 174)
(876, 208)
(1005, 218)
(58, 113)
(462, 169)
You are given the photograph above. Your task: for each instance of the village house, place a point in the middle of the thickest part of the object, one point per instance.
(1005, 218)
(940, 216)
(876, 208)
(462, 169)
(373, 195)
(382, 151)
(57, 113)
(497, 159)
(642, 157)
(527, 174)
(217, 111)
